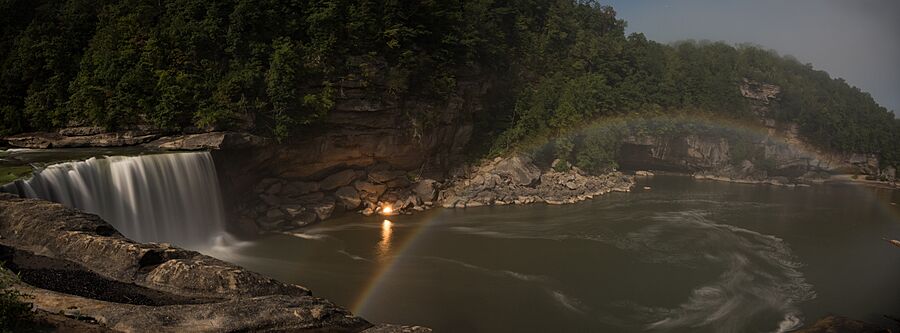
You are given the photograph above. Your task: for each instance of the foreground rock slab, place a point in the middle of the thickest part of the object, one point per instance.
(69, 259)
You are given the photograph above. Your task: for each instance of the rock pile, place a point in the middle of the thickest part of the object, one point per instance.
(516, 180)
(283, 204)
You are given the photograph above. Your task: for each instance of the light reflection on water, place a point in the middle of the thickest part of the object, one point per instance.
(384, 246)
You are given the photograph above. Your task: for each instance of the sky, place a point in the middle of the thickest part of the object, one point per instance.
(857, 40)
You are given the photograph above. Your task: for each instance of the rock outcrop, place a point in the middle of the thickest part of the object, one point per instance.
(83, 137)
(779, 155)
(281, 204)
(517, 180)
(209, 141)
(76, 264)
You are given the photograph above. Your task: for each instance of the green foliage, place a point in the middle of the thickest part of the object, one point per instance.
(11, 173)
(15, 312)
(276, 67)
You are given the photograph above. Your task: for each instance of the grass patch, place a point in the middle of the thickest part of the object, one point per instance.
(11, 173)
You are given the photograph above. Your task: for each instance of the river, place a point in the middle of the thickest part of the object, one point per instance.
(683, 256)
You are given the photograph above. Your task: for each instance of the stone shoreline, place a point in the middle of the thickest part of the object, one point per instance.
(279, 205)
(516, 180)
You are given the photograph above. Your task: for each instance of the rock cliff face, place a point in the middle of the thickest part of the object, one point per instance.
(366, 128)
(782, 155)
(372, 150)
(75, 264)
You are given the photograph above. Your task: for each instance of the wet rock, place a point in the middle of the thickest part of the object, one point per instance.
(348, 197)
(293, 210)
(339, 179)
(322, 210)
(304, 218)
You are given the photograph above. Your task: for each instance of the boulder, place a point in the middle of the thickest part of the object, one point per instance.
(275, 188)
(426, 190)
(293, 210)
(274, 213)
(376, 189)
(310, 198)
(322, 210)
(301, 188)
(304, 218)
(348, 197)
(384, 176)
(339, 179)
(519, 169)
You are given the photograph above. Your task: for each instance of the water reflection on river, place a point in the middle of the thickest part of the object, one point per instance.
(686, 256)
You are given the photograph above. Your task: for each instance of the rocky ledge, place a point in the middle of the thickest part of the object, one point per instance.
(74, 137)
(77, 265)
(281, 204)
(517, 180)
(83, 137)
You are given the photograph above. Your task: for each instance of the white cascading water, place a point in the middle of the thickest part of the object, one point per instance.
(152, 198)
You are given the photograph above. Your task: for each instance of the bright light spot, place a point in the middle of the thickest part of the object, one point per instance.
(386, 224)
(387, 210)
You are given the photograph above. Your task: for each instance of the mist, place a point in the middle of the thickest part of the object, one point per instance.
(858, 41)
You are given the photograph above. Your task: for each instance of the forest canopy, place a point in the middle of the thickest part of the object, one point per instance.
(270, 66)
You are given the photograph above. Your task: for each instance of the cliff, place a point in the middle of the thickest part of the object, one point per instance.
(773, 151)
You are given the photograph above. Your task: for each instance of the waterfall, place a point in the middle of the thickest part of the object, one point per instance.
(152, 198)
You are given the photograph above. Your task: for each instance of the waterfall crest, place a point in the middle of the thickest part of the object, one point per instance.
(152, 198)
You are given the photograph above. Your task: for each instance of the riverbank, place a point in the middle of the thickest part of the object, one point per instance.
(782, 181)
